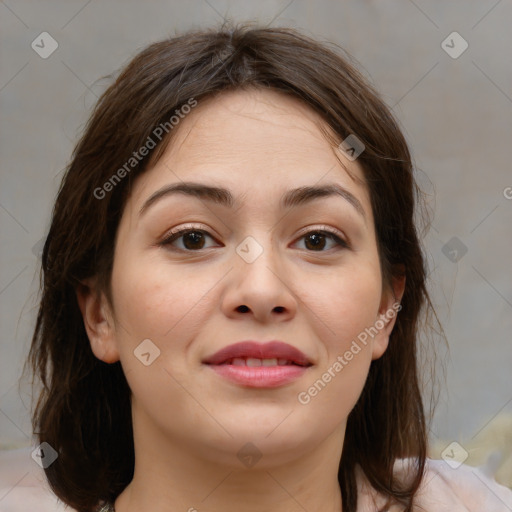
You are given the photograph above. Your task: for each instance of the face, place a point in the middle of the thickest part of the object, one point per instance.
(304, 272)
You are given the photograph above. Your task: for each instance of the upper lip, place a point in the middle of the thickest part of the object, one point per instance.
(254, 349)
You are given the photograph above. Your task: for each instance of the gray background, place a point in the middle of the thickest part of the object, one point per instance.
(456, 114)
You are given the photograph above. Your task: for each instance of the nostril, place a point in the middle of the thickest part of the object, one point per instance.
(242, 309)
(279, 309)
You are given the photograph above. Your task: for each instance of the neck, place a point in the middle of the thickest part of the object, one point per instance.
(171, 476)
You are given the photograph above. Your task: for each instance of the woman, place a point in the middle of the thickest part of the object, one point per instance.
(232, 291)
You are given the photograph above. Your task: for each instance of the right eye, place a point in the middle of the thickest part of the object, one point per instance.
(193, 240)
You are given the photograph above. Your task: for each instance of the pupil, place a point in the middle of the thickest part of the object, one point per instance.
(316, 239)
(194, 237)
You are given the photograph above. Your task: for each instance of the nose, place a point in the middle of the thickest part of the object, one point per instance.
(261, 288)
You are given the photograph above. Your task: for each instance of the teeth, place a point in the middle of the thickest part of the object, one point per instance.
(255, 362)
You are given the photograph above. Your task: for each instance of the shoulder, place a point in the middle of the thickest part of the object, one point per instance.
(30, 498)
(444, 489)
(463, 488)
(23, 485)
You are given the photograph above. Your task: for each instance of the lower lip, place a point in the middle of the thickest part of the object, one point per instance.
(259, 376)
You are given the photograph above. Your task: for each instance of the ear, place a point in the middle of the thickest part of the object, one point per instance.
(98, 321)
(388, 310)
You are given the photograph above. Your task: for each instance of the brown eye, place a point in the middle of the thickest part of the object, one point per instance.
(192, 239)
(318, 240)
(315, 241)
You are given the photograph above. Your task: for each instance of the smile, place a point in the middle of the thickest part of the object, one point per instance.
(259, 373)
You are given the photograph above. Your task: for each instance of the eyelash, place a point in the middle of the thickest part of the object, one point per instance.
(175, 235)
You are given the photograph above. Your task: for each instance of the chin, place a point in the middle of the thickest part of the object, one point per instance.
(258, 451)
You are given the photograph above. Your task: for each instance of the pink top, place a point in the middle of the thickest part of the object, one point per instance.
(445, 489)
(23, 488)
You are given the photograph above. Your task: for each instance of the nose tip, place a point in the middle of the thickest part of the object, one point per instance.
(257, 286)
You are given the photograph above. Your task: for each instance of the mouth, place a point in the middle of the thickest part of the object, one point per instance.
(257, 365)
(254, 362)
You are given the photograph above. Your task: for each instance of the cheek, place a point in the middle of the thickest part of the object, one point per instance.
(153, 299)
(166, 304)
(162, 304)
(344, 308)
(345, 305)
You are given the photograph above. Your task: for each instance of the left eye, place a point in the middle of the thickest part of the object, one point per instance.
(317, 240)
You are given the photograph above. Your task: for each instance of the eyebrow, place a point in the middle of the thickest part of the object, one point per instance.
(222, 196)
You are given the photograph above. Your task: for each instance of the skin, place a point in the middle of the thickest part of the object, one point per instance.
(189, 423)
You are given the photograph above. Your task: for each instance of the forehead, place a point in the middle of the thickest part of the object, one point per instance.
(252, 139)
(266, 122)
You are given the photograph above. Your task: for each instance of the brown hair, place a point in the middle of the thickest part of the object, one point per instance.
(83, 408)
